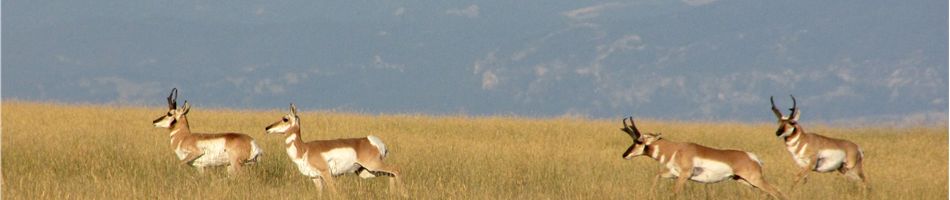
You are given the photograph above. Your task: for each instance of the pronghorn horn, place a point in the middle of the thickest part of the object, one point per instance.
(634, 127)
(172, 97)
(794, 109)
(778, 114)
(626, 128)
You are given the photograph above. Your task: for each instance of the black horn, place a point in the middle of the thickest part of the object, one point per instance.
(778, 114)
(795, 112)
(634, 127)
(172, 98)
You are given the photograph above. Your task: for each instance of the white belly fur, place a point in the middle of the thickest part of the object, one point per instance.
(341, 160)
(214, 153)
(829, 159)
(711, 171)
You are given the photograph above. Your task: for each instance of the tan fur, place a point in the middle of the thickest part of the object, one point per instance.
(368, 156)
(810, 144)
(238, 146)
(682, 155)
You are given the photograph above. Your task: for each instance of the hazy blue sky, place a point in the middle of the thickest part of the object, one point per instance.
(846, 61)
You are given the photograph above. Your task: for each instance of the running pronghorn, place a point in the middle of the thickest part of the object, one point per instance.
(813, 152)
(696, 162)
(203, 150)
(321, 160)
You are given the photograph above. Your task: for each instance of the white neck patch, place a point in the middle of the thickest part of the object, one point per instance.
(290, 138)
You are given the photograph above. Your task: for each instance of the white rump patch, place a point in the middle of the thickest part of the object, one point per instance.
(829, 159)
(341, 160)
(256, 152)
(378, 143)
(710, 171)
(754, 158)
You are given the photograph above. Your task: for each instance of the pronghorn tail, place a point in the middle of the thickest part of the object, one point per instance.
(375, 141)
(256, 152)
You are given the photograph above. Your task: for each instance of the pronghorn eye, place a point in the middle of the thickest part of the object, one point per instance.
(285, 119)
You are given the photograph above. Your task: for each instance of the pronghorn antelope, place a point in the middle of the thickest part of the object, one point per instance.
(696, 162)
(321, 160)
(203, 150)
(813, 152)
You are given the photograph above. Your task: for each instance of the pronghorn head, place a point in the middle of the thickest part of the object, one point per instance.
(786, 124)
(174, 113)
(640, 141)
(288, 121)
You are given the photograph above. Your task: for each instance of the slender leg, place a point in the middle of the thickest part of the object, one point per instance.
(663, 172)
(802, 174)
(328, 179)
(685, 173)
(192, 156)
(395, 183)
(318, 182)
(760, 183)
(235, 167)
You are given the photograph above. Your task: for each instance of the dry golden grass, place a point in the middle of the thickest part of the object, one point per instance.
(52, 151)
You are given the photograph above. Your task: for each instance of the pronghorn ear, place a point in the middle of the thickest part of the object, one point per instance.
(185, 108)
(293, 109)
(795, 114)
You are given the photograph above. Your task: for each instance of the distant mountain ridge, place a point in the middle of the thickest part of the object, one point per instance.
(861, 61)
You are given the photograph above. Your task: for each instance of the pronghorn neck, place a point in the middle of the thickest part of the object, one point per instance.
(293, 138)
(656, 149)
(796, 135)
(179, 131)
(294, 143)
(181, 125)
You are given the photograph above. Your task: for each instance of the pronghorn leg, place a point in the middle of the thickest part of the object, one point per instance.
(685, 173)
(328, 179)
(237, 162)
(663, 172)
(758, 182)
(235, 167)
(706, 190)
(395, 183)
(192, 156)
(803, 173)
(318, 182)
(856, 173)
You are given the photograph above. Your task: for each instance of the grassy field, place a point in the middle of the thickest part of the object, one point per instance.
(52, 151)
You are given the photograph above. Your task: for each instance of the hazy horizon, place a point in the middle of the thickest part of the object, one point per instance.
(713, 60)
